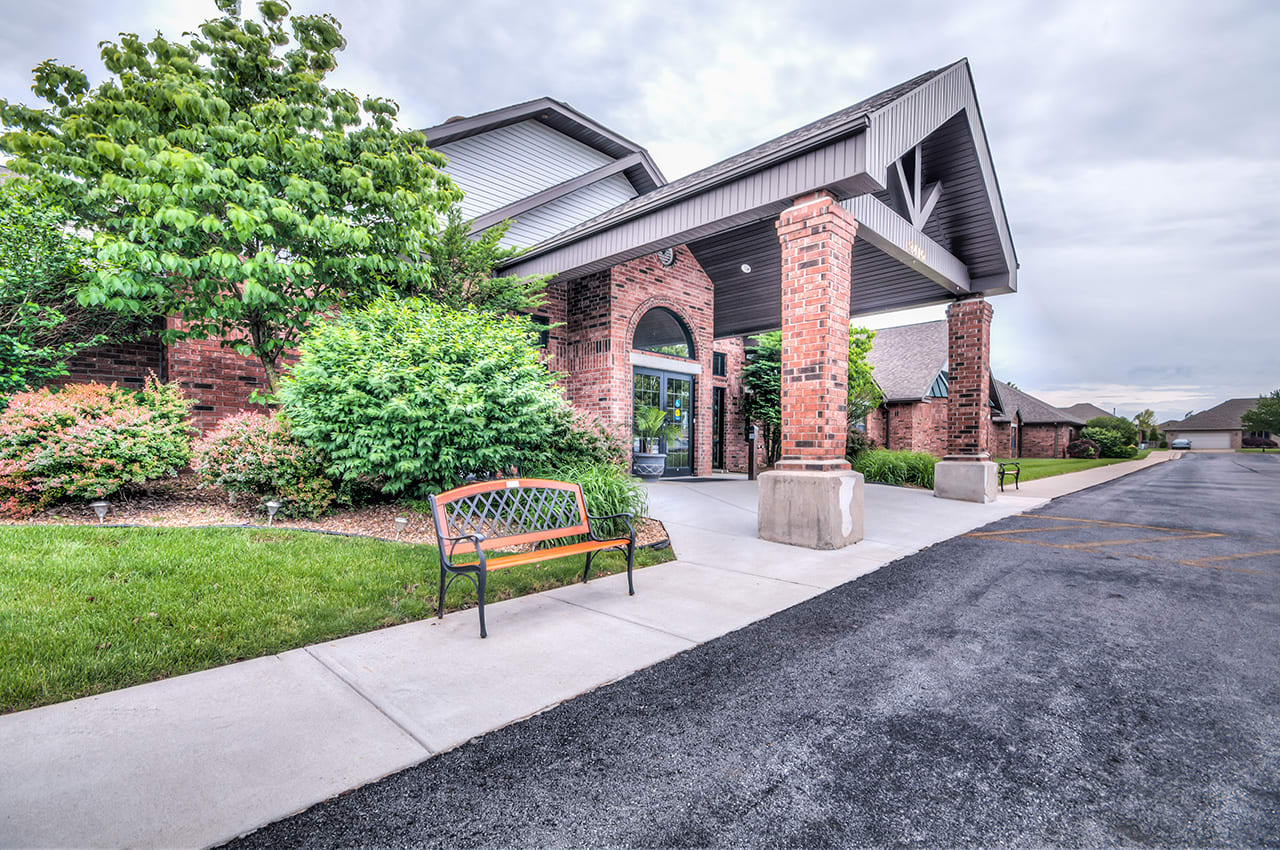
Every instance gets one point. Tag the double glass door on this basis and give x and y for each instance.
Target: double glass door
(672, 392)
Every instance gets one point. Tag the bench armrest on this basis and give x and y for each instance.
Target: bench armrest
(626, 518)
(474, 539)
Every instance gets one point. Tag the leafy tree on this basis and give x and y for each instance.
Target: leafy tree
(42, 265)
(462, 271)
(1265, 416)
(762, 375)
(1146, 421)
(1125, 429)
(226, 183)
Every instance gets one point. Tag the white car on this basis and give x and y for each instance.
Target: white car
(1180, 443)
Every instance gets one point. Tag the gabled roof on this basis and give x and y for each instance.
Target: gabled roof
(559, 116)
(1087, 411)
(1224, 417)
(907, 359)
(1032, 410)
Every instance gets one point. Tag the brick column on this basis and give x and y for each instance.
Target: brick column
(817, 244)
(812, 498)
(969, 390)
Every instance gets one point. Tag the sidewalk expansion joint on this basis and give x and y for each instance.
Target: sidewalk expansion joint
(752, 575)
(364, 696)
(691, 641)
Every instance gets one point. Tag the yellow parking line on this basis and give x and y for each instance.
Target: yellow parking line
(1218, 559)
(1105, 522)
(1096, 543)
(1022, 531)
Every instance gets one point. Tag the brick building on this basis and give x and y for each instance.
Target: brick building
(888, 204)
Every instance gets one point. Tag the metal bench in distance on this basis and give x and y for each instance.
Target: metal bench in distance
(512, 512)
(1014, 469)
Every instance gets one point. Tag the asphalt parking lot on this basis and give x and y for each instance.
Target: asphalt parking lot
(1102, 672)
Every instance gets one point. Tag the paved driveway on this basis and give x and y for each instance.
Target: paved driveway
(1102, 671)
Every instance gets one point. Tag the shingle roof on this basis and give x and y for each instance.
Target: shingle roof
(1087, 411)
(748, 159)
(1224, 417)
(1032, 410)
(907, 359)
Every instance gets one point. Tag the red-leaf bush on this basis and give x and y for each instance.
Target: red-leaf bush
(1258, 443)
(89, 441)
(1083, 448)
(255, 454)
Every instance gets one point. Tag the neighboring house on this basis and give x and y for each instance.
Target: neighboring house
(1086, 411)
(1025, 426)
(909, 364)
(888, 204)
(1216, 428)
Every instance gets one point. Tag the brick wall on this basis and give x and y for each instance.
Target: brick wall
(218, 379)
(1001, 439)
(127, 364)
(969, 367)
(878, 426)
(816, 236)
(1045, 440)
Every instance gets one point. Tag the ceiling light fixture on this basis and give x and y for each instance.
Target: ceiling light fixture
(746, 269)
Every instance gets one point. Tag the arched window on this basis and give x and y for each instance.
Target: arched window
(661, 331)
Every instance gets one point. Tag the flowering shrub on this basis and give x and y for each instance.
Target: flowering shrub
(256, 454)
(88, 441)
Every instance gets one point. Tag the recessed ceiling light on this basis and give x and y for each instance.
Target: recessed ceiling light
(746, 269)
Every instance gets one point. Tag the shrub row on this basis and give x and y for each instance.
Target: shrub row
(1110, 443)
(896, 467)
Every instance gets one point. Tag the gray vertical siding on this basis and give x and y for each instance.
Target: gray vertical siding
(503, 165)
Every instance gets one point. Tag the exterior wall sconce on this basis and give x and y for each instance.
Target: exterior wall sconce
(272, 507)
(100, 508)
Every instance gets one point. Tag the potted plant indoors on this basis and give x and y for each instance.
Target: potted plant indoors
(651, 427)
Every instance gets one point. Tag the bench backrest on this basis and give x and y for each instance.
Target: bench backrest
(511, 511)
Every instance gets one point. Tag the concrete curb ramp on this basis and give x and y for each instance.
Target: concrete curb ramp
(196, 760)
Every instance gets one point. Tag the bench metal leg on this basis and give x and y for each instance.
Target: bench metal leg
(587, 568)
(480, 578)
(440, 606)
(631, 562)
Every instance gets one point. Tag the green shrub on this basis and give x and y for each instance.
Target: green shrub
(607, 488)
(255, 454)
(577, 441)
(1164, 444)
(1110, 443)
(1083, 448)
(1127, 430)
(856, 443)
(883, 466)
(414, 397)
(89, 441)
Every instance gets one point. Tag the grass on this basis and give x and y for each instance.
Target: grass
(87, 610)
(1045, 467)
(1261, 451)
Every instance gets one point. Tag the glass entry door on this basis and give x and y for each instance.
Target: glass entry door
(672, 392)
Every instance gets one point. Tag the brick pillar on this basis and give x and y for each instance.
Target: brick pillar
(969, 389)
(812, 498)
(817, 250)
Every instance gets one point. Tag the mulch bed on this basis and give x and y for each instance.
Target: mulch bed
(180, 503)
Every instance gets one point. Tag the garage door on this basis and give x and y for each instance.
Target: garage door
(1209, 439)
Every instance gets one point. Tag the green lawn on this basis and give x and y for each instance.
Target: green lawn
(1261, 451)
(1038, 467)
(87, 610)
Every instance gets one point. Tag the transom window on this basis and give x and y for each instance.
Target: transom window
(662, 332)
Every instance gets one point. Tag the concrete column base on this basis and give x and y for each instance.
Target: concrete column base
(820, 510)
(965, 480)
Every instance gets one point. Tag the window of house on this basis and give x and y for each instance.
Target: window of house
(662, 332)
(719, 364)
(544, 335)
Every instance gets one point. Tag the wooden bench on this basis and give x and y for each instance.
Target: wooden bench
(514, 512)
(1009, 468)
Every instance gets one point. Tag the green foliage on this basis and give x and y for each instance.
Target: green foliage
(1265, 416)
(462, 271)
(228, 185)
(762, 375)
(414, 397)
(1164, 444)
(1145, 422)
(1110, 443)
(42, 264)
(580, 441)
(651, 425)
(883, 466)
(1127, 430)
(857, 443)
(89, 441)
(254, 454)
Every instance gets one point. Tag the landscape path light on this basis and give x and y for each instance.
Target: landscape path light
(100, 508)
(401, 523)
(272, 507)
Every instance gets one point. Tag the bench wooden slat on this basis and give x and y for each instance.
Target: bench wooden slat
(551, 554)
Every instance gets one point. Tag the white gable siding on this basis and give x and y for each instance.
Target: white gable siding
(506, 164)
(555, 216)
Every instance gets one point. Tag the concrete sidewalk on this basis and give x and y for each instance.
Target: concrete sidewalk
(1061, 485)
(198, 759)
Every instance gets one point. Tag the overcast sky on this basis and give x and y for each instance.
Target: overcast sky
(1137, 144)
